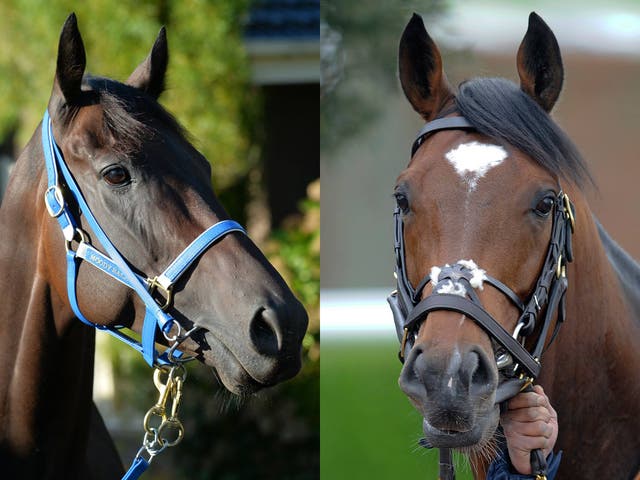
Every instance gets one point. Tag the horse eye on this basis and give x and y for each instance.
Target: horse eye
(116, 175)
(544, 206)
(402, 202)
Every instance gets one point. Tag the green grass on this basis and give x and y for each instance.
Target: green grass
(368, 429)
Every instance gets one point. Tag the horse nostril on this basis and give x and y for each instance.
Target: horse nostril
(265, 333)
(482, 376)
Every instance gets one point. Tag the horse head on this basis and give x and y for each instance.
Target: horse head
(150, 191)
(478, 209)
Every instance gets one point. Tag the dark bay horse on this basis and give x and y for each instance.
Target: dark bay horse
(490, 214)
(150, 191)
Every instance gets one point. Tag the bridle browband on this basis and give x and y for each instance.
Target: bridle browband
(518, 366)
(60, 181)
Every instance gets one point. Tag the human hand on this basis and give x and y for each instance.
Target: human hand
(530, 422)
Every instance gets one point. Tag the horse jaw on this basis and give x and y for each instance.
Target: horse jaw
(240, 369)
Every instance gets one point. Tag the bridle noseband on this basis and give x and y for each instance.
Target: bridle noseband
(453, 291)
(170, 362)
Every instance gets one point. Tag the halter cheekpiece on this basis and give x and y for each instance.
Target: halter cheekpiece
(454, 289)
(156, 293)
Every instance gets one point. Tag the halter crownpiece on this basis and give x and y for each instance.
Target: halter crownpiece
(454, 290)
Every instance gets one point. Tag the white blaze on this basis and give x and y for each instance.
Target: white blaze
(473, 160)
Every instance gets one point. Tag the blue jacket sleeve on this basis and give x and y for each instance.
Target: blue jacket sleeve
(501, 469)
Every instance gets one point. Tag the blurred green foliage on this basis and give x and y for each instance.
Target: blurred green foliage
(367, 48)
(294, 250)
(208, 87)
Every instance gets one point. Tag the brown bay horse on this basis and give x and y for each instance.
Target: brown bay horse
(150, 192)
(490, 214)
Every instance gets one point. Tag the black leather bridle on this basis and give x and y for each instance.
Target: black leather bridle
(518, 366)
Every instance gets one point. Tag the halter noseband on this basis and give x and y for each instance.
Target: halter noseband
(454, 290)
(114, 264)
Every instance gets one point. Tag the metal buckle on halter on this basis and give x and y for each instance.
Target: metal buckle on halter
(167, 292)
(79, 236)
(569, 211)
(559, 267)
(57, 194)
(403, 344)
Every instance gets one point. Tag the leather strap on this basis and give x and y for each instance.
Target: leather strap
(444, 301)
(446, 123)
(447, 470)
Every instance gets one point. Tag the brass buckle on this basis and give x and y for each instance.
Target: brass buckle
(559, 267)
(567, 208)
(403, 344)
(167, 293)
(527, 381)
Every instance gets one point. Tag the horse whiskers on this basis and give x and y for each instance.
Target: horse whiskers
(484, 452)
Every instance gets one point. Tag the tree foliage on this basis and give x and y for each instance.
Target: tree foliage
(362, 46)
(208, 89)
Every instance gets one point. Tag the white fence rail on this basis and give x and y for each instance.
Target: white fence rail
(355, 312)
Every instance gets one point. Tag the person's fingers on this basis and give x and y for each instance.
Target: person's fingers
(526, 400)
(524, 445)
(531, 414)
(545, 402)
(529, 423)
(520, 451)
(528, 429)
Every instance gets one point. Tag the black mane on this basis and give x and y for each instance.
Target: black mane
(499, 109)
(129, 113)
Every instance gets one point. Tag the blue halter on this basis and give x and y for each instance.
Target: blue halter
(114, 265)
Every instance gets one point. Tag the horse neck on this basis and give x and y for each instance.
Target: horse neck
(590, 373)
(600, 325)
(47, 358)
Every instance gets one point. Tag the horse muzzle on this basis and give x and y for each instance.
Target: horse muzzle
(454, 389)
(261, 353)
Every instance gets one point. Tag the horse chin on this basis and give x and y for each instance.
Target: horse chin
(233, 375)
(469, 439)
(241, 375)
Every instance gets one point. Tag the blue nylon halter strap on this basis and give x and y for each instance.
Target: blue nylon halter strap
(113, 263)
(138, 467)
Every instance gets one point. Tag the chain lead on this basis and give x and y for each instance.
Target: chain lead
(167, 430)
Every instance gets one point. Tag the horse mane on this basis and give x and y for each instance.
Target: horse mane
(128, 113)
(498, 108)
(626, 268)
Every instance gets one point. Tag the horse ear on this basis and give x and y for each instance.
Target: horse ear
(540, 64)
(71, 60)
(150, 74)
(420, 67)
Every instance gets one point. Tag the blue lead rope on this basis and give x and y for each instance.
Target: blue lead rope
(137, 468)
